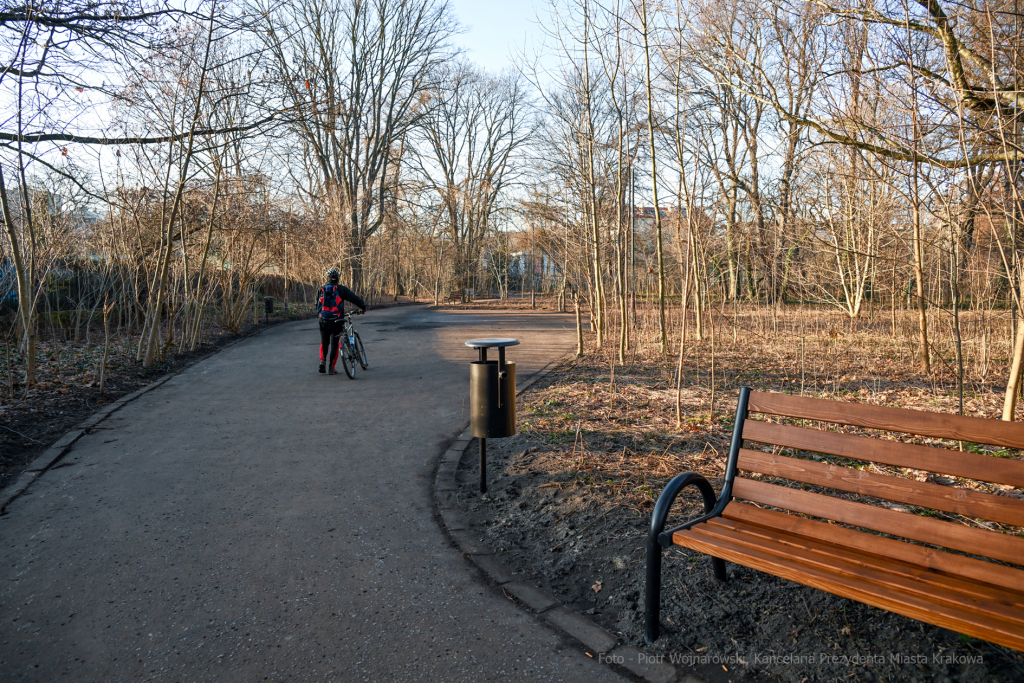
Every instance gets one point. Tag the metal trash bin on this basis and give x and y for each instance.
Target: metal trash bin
(492, 397)
(268, 306)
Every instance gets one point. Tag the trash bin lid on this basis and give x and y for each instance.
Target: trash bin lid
(491, 343)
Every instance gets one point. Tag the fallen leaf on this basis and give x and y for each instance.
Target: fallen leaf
(596, 587)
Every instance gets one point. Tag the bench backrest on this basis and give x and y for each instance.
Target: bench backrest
(915, 485)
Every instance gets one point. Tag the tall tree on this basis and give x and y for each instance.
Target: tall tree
(475, 125)
(645, 27)
(353, 74)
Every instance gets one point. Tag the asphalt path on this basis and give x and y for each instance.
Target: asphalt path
(254, 520)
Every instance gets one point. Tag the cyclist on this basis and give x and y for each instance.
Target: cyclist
(330, 306)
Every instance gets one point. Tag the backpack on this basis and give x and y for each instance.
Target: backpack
(331, 303)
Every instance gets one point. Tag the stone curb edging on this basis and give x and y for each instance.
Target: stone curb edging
(595, 639)
(52, 455)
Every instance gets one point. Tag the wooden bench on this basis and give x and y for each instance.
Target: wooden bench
(454, 296)
(859, 516)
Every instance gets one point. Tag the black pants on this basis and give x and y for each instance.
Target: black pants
(330, 335)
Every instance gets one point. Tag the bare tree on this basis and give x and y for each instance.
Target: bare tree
(353, 75)
(475, 125)
(645, 27)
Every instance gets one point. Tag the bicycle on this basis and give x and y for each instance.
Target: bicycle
(351, 347)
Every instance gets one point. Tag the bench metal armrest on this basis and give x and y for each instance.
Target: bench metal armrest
(662, 538)
(658, 539)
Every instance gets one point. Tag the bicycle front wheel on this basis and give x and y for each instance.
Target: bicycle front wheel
(360, 351)
(348, 360)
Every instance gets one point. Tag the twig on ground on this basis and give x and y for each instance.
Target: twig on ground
(24, 436)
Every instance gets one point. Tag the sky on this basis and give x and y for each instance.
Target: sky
(496, 29)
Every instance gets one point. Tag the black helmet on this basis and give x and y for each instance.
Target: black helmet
(332, 275)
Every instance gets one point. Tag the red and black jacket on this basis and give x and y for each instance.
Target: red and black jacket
(331, 298)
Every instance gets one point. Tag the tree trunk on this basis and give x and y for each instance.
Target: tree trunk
(662, 334)
(922, 315)
(26, 310)
(153, 338)
(579, 326)
(106, 342)
(597, 299)
(1013, 384)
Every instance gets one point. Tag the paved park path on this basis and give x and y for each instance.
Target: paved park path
(254, 520)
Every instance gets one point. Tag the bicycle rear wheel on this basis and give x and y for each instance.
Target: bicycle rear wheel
(360, 351)
(347, 358)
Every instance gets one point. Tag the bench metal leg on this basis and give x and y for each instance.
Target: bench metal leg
(652, 596)
(652, 593)
(658, 539)
(718, 565)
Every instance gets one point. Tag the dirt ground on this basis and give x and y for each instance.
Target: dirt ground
(570, 499)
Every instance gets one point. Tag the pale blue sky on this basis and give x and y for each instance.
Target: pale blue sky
(495, 30)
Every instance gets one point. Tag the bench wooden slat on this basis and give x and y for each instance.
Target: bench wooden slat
(924, 494)
(997, 546)
(864, 549)
(961, 620)
(938, 460)
(939, 425)
(938, 560)
(1005, 604)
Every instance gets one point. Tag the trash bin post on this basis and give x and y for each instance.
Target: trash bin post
(483, 464)
(492, 393)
